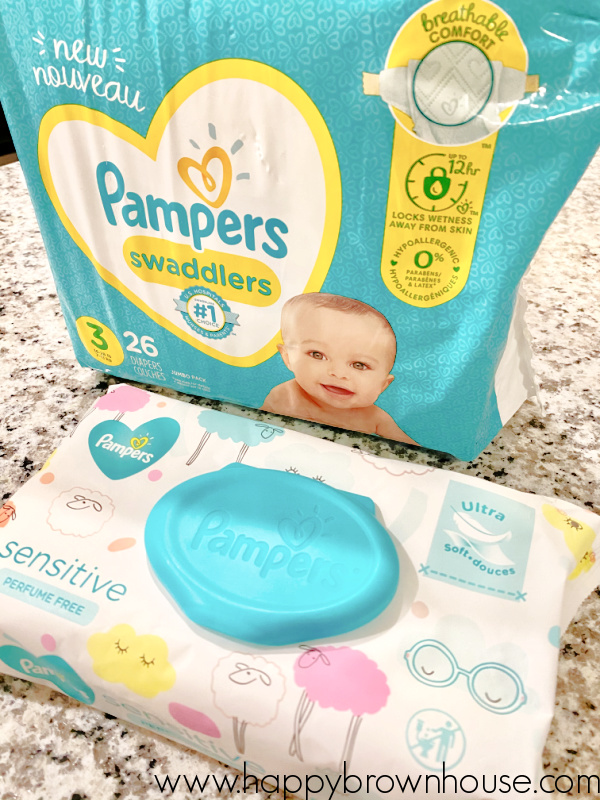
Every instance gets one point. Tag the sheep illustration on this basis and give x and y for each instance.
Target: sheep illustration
(123, 398)
(238, 429)
(8, 512)
(120, 398)
(313, 462)
(79, 512)
(248, 690)
(396, 468)
(341, 678)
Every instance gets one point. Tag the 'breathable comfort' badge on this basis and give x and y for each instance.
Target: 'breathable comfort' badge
(453, 76)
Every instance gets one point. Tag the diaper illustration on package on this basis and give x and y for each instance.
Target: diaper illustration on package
(453, 75)
(195, 171)
(443, 89)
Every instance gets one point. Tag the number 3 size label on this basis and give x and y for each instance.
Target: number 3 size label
(100, 342)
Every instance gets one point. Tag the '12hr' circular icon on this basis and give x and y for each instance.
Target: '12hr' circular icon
(437, 182)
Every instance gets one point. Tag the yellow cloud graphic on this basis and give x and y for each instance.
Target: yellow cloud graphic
(578, 536)
(141, 663)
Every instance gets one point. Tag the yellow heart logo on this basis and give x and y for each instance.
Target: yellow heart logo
(137, 444)
(184, 165)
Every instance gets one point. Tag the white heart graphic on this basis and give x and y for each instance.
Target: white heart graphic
(284, 192)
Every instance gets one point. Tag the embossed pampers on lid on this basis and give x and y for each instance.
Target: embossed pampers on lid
(271, 557)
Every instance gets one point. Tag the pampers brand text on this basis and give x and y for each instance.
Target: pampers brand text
(197, 221)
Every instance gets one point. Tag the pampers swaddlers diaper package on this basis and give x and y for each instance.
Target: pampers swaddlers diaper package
(322, 209)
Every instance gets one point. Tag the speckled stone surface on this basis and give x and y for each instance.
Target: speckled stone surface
(52, 748)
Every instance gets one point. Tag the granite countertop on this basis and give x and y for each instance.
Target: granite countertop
(53, 748)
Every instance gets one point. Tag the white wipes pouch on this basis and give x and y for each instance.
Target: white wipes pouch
(293, 607)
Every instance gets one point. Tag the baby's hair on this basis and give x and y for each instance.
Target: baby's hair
(335, 301)
(338, 303)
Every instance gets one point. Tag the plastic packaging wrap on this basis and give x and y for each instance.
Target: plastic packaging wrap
(195, 166)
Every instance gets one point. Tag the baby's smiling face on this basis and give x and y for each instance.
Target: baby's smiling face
(341, 359)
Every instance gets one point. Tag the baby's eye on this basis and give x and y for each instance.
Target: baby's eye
(359, 365)
(316, 354)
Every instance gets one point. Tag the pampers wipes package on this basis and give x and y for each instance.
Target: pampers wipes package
(322, 209)
(270, 598)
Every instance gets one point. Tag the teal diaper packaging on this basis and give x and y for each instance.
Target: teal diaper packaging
(267, 597)
(322, 209)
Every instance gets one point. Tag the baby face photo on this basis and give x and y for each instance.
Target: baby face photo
(340, 359)
(341, 352)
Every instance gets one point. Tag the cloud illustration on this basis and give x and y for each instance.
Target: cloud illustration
(141, 662)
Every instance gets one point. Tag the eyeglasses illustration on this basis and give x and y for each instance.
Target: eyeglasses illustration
(495, 687)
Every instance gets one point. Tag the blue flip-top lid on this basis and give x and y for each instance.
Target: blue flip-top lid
(271, 557)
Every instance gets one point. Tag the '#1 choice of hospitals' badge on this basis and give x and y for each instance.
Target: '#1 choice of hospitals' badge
(453, 76)
(206, 313)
